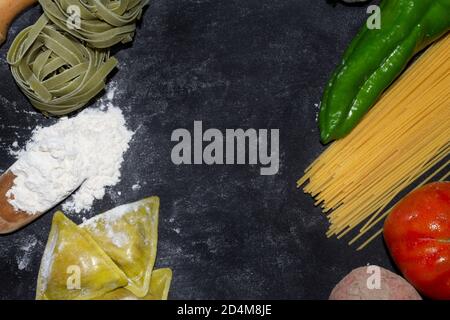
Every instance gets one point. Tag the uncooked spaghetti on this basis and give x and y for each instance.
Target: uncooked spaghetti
(404, 136)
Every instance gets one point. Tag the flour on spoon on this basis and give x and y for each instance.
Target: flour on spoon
(85, 151)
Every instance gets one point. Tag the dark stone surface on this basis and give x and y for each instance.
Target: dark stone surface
(226, 231)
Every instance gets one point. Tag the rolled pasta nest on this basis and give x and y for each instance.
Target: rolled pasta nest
(56, 71)
(103, 23)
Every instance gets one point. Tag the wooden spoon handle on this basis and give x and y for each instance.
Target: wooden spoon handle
(10, 219)
(9, 9)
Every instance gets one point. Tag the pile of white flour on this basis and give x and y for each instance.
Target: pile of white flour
(85, 151)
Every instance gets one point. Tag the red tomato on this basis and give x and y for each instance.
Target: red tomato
(417, 233)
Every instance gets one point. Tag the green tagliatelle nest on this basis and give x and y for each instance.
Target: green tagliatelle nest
(102, 23)
(56, 71)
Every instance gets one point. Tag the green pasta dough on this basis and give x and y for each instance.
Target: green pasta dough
(56, 71)
(62, 61)
(102, 23)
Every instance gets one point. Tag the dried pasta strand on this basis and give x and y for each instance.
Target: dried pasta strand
(406, 134)
(376, 234)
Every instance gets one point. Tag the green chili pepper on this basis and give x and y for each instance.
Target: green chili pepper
(375, 58)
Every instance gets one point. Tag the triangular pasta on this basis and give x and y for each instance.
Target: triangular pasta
(159, 288)
(129, 235)
(159, 284)
(74, 266)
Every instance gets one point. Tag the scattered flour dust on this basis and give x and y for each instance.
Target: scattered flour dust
(135, 186)
(84, 152)
(26, 250)
(14, 150)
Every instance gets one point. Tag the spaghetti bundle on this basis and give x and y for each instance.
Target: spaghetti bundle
(406, 134)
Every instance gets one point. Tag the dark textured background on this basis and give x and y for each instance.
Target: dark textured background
(226, 231)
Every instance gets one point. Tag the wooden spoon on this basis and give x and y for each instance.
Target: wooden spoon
(11, 219)
(9, 10)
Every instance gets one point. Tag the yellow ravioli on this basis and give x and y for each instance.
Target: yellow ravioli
(74, 266)
(129, 234)
(159, 288)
